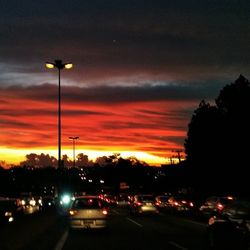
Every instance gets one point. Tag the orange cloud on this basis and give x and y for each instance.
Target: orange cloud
(133, 122)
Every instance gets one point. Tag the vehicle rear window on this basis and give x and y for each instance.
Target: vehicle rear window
(163, 198)
(88, 203)
(146, 198)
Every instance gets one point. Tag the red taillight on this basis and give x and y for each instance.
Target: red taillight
(105, 212)
(138, 203)
(220, 206)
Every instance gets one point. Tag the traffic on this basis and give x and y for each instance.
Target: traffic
(139, 221)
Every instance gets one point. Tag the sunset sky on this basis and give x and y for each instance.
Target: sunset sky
(140, 70)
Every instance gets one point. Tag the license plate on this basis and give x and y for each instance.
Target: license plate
(87, 222)
(149, 204)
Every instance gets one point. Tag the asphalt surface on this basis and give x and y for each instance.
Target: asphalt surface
(49, 231)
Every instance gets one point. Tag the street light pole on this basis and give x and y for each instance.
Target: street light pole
(59, 65)
(74, 145)
(178, 151)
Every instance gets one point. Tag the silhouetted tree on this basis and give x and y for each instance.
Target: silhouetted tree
(38, 161)
(217, 139)
(83, 160)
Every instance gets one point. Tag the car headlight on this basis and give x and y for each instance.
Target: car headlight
(8, 214)
(66, 199)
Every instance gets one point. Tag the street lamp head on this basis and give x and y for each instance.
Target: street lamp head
(74, 138)
(68, 65)
(49, 65)
(58, 64)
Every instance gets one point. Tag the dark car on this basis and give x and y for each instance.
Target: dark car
(10, 209)
(162, 202)
(230, 229)
(144, 204)
(181, 204)
(214, 204)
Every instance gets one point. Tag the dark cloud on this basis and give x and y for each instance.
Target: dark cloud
(180, 39)
(14, 124)
(112, 94)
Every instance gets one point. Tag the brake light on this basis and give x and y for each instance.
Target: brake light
(191, 204)
(105, 212)
(220, 206)
(138, 203)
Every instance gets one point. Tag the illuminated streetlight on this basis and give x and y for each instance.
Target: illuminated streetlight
(59, 65)
(74, 145)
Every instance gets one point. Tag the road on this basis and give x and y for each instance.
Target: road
(49, 231)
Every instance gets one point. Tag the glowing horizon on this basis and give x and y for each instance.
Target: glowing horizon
(147, 122)
(19, 155)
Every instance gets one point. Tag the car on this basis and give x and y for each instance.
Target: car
(88, 212)
(109, 199)
(181, 204)
(30, 204)
(230, 229)
(122, 200)
(144, 204)
(214, 204)
(162, 202)
(10, 209)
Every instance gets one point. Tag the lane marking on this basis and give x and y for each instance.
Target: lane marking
(199, 223)
(62, 240)
(136, 223)
(203, 224)
(116, 212)
(177, 245)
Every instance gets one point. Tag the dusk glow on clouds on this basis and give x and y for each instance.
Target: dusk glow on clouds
(140, 70)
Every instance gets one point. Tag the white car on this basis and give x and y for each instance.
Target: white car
(87, 212)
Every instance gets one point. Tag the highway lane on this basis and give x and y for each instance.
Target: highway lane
(165, 232)
(49, 231)
(39, 231)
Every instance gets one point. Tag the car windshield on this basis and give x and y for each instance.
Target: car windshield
(87, 203)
